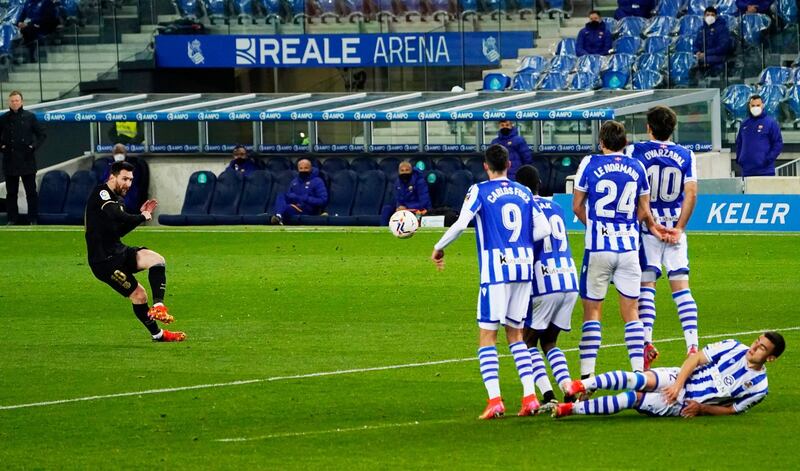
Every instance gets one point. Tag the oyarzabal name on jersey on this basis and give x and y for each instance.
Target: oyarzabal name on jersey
(656, 153)
(507, 190)
(616, 167)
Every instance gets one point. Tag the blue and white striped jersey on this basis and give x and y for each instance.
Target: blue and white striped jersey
(613, 184)
(553, 268)
(504, 212)
(726, 379)
(669, 166)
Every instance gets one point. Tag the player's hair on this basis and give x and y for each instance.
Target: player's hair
(662, 121)
(17, 93)
(612, 136)
(239, 146)
(710, 10)
(117, 167)
(754, 97)
(496, 158)
(528, 175)
(779, 345)
(504, 121)
(595, 12)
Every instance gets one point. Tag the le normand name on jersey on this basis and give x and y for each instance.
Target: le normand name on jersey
(616, 167)
(507, 190)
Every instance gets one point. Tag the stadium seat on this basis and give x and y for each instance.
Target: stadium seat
(437, 184)
(787, 11)
(735, 99)
(630, 26)
(726, 7)
(280, 184)
(225, 202)
(340, 198)
(584, 81)
(657, 45)
(457, 185)
(496, 82)
(561, 168)
(656, 62)
(367, 202)
(566, 47)
(775, 76)
(475, 167)
(660, 26)
(278, 164)
(189, 9)
(689, 25)
(422, 163)
(197, 200)
(646, 79)
(255, 196)
(698, 7)
(753, 26)
(216, 10)
(272, 9)
(627, 45)
(77, 194)
(591, 63)
(617, 70)
(244, 10)
(532, 64)
(542, 164)
(52, 194)
(611, 23)
(680, 68)
(563, 64)
(553, 81)
(684, 44)
(525, 81)
(449, 165)
(772, 95)
(362, 164)
(668, 8)
(99, 168)
(793, 102)
(389, 167)
(332, 165)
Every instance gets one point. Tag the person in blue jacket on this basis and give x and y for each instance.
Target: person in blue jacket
(713, 42)
(643, 8)
(519, 153)
(594, 38)
(410, 192)
(307, 194)
(754, 6)
(242, 163)
(39, 18)
(759, 142)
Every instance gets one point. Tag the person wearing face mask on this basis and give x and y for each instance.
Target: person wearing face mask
(307, 194)
(137, 194)
(759, 142)
(242, 163)
(410, 192)
(712, 43)
(642, 8)
(594, 38)
(519, 153)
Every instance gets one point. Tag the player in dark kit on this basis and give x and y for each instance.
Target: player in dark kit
(114, 263)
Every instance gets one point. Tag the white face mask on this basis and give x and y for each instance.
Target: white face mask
(119, 157)
(710, 20)
(756, 110)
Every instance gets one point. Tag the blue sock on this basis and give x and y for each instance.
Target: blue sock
(634, 340)
(606, 405)
(487, 356)
(616, 381)
(687, 313)
(647, 312)
(589, 346)
(558, 363)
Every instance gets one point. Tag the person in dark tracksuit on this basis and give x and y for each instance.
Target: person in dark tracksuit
(713, 42)
(410, 192)
(519, 153)
(594, 38)
(759, 142)
(307, 194)
(20, 135)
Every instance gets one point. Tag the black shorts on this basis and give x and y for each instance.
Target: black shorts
(118, 271)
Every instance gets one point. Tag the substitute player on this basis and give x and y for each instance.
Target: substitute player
(507, 222)
(555, 292)
(673, 194)
(114, 263)
(724, 378)
(615, 190)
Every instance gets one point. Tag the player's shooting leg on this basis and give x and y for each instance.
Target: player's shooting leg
(140, 309)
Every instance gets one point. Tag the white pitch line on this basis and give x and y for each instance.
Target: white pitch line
(327, 373)
(362, 428)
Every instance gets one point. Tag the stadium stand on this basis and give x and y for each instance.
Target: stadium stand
(80, 186)
(197, 201)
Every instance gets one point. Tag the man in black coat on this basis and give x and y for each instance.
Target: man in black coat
(20, 136)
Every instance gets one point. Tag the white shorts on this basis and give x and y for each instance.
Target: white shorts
(503, 304)
(551, 308)
(653, 403)
(601, 268)
(653, 253)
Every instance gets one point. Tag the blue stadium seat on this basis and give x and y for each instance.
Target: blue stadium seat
(684, 44)
(646, 79)
(775, 76)
(726, 7)
(74, 200)
(657, 45)
(591, 63)
(244, 10)
(362, 164)
(734, 23)
(475, 167)
(216, 10)
(52, 193)
(698, 7)
(189, 9)
(616, 73)
(660, 26)
(561, 168)
(496, 82)
(611, 23)
(532, 64)
(340, 198)
(772, 95)
(566, 47)
(525, 81)
(753, 26)
(225, 202)
(197, 200)
(656, 62)
(255, 197)
(553, 81)
(735, 99)
(389, 167)
(280, 184)
(423, 163)
(584, 81)
(689, 25)
(680, 67)
(793, 102)
(563, 64)
(437, 184)
(627, 45)
(332, 165)
(668, 8)
(367, 202)
(272, 9)
(448, 165)
(787, 11)
(630, 26)
(278, 164)
(457, 185)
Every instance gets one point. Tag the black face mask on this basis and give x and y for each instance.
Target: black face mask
(304, 175)
(505, 131)
(405, 177)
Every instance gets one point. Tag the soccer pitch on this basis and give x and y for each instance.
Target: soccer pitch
(347, 349)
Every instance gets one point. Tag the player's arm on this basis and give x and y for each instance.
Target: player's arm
(126, 221)
(579, 205)
(541, 226)
(468, 210)
(694, 408)
(687, 208)
(689, 365)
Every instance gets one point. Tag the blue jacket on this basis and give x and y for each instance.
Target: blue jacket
(414, 194)
(643, 8)
(518, 151)
(714, 42)
(245, 166)
(758, 144)
(42, 13)
(763, 5)
(593, 39)
(309, 193)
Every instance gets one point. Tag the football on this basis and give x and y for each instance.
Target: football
(403, 224)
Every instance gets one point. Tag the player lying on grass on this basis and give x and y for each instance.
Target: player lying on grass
(724, 378)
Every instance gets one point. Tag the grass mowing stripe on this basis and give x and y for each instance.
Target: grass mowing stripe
(327, 373)
(336, 430)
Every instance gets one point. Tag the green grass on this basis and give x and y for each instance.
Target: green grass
(265, 304)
